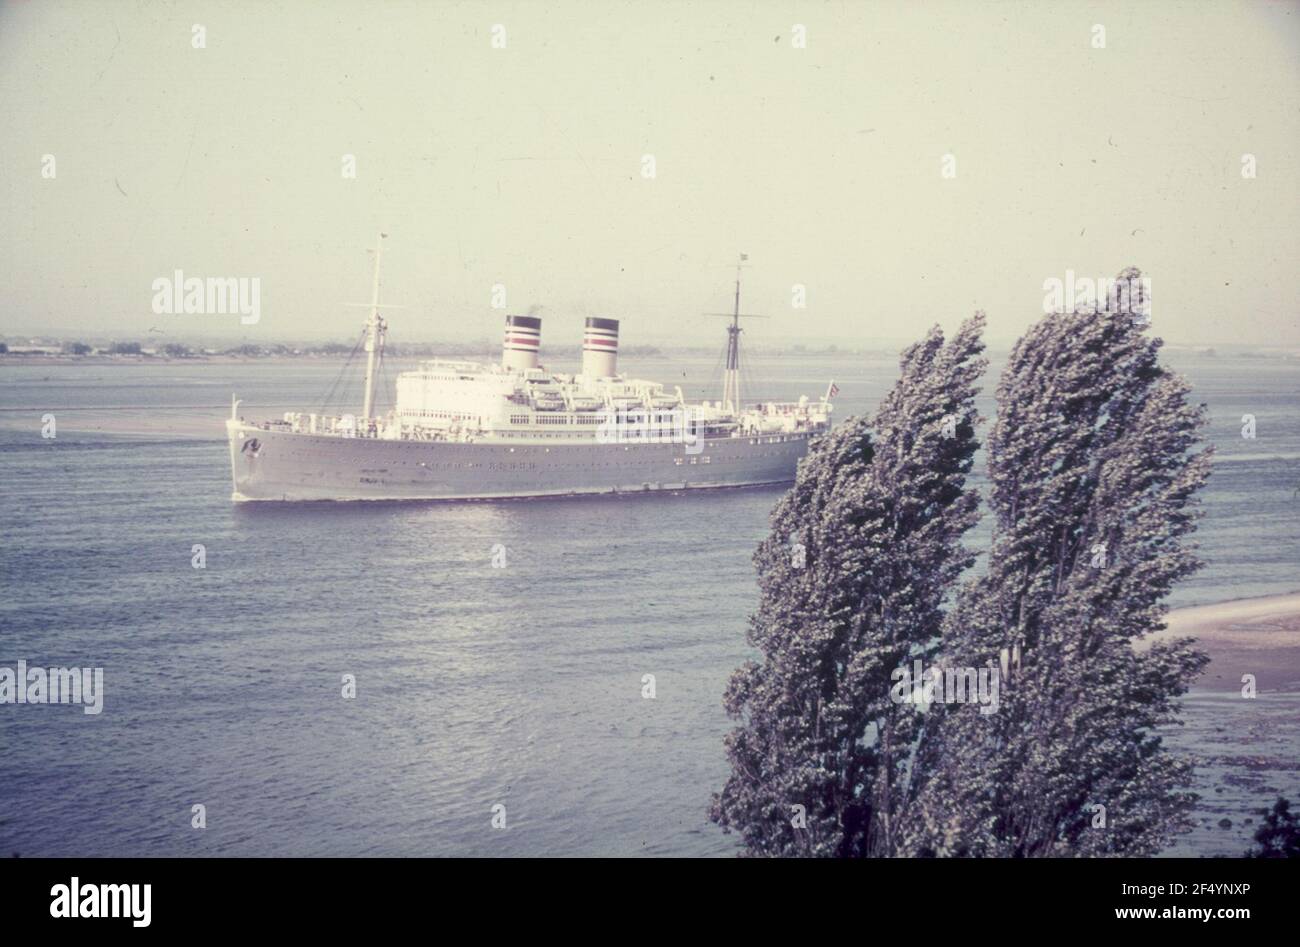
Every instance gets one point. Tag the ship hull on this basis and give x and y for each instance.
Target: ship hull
(278, 465)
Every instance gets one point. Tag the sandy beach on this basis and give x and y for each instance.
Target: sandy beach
(1259, 636)
(1245, 750)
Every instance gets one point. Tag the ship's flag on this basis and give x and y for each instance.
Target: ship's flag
(832, 391)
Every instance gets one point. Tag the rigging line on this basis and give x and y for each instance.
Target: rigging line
(715, 377)
(378, 395)
(751, 382)
(384, 385)
(330, 397)
(746, 377)
(383, 381)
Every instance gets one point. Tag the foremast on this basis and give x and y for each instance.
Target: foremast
(375, 330)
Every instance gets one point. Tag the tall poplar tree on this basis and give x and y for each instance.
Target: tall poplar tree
(1094, 462)
(852, 582)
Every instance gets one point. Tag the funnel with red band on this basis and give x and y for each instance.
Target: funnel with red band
(600, 348)
(523, 340)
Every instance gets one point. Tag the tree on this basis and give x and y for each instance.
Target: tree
(77, 348)
(852, 580)
(1278, 836)
(1093, 466)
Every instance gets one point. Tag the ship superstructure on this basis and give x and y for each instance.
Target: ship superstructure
(468, 430)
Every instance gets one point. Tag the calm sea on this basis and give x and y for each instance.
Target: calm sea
(476, 686)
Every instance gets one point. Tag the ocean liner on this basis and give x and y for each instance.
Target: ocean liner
(463, 430)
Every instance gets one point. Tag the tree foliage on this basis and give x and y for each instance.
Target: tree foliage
(1094, 463)
(852, 581)
(1093, 469)
(1278, 836)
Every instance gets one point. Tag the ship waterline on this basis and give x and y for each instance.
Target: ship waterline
(269, 464)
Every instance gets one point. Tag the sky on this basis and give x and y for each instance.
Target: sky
(905, 164)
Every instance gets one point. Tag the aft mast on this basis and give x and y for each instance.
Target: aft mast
(731, 377)
(731, 374)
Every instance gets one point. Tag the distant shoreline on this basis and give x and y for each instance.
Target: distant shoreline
(18, 358)
(21, 358)
(421, 351)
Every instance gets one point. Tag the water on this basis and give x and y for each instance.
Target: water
(476, 686)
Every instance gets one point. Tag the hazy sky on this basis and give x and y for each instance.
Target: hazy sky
(523, 165)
